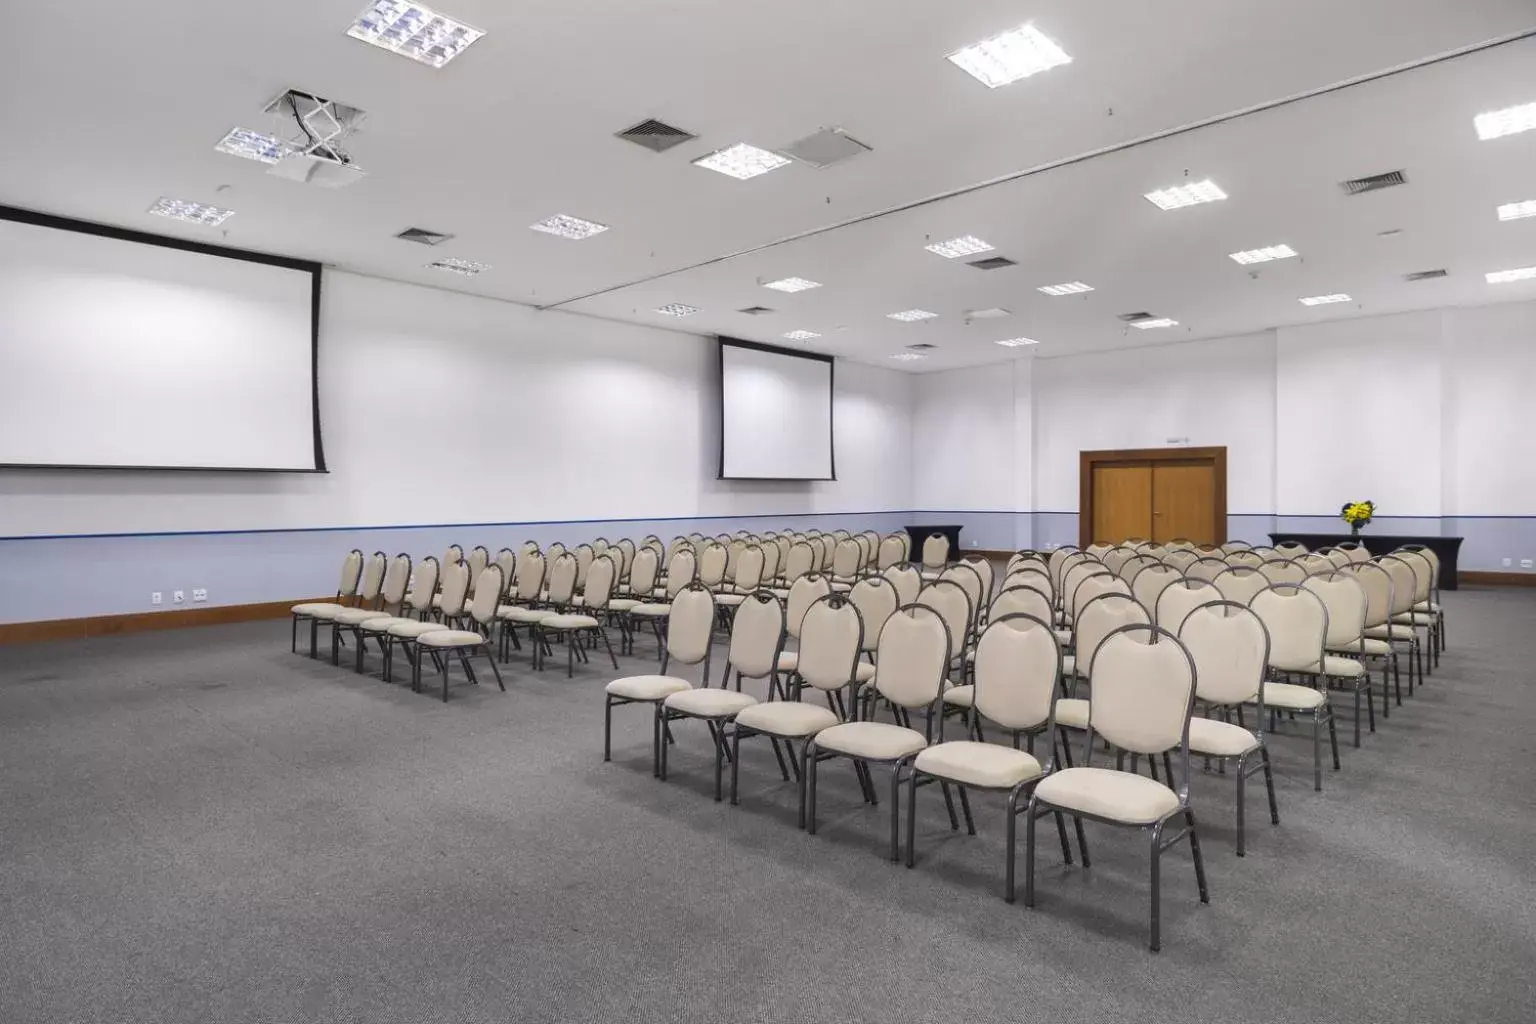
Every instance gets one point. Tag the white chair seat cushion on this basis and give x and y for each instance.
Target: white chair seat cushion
(1106, 793)
(354, 616)
(623, 604)
(1219, 739)
(651, 611)
(317, 608)
(451, 638)
(512, 613)
(437, 600)
(841, 588)
(780, 593)
(709, 702)
(1063, 636)
(877, 741)
(1427, 606)
(1069, 664)
(381, 623)
(978, 764)
(1342, 668)
(568, 622)
(1415, 619)
(789, 661)
(863, 672)
(1072, 712)
(414, 629)
(1365, 646)
(1397, 632)
(786, 718)
(960, 696)
(647, 687)
(1291, 697)
(730, 600)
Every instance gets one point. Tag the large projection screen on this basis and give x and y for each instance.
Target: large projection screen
(120, 350)
(775, 413)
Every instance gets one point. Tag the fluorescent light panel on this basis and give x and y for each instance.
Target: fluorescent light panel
(1190, 194)
(567, 226)
(677, 309)
(1017, 342)
(192, 213)
(965, 245)
(1148, 325)
(1009, 56)
(1510, 121)
(1070, 288)
(801, 335)
(454, 265)
(1518, 211)
(1324, 300)
(792, 284)
(413, 30)
(1264, 255)
(252, 145)
(907, 357)
(909, 315)
(741, 161)
(1508, 276)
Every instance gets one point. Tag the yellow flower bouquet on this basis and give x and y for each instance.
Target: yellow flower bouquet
(1357, 514)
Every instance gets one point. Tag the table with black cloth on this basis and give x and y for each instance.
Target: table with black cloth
(919, 534)
(1447, 548)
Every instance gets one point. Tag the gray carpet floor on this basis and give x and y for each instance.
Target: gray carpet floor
(199, 826)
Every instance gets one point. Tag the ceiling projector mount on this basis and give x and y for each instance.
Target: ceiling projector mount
(314, 131)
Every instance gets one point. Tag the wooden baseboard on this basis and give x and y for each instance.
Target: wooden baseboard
(140, 622)
(1497, 579)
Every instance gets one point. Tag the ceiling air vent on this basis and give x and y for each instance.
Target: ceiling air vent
(1425, 275)
(755, 310)
(993, 263)
(655, 136)
(922, 346)
(1374, 183)
(423, 236)
(1131, 318)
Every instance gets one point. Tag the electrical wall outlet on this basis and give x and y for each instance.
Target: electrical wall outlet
(1525, 563)
(159, 598)
(199, 594)
(179, 597)
(1508, 562)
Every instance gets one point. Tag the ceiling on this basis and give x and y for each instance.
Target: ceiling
(122, 106)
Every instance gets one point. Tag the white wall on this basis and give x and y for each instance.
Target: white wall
(1490, 370)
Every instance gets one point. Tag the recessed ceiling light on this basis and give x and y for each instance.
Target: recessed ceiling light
(792, 284)
(1017, 342)
(907, 357)
(468, 268)
(1323, 300)
(1160, 321)
(990, 313)
(801, 335)
(1509, 121)
(677, 309)
(1191, 194)
(1009, 56)
(1518, 211)
(253, 146)
(567, 226)
(192, 213)
(1506, 276)
(909, 315)
(741, 161)
(1070, 288)
(413, 31)
(1264, 255)
(965, 245)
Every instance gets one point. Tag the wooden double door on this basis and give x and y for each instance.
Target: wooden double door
(1161, 494)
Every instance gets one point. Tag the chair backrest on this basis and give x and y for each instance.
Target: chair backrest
(455, 588)
(528, 545)
(757, 635)
(1179, 544)
(1150, 583)
(713, 560)
(1134, 567)
(846, 558)
(1313, 563)
(1092, 587)
(770, 570)
(1142, 692)
(479, 558)
(351, 574)
(1017, 670)
(626, 549)
(984, 570)
(396, 579)
(690, 624)
(562, 579)
(1230, 647)
(1247, 559)
(970, 581)
(599, 545)
(554, 551)
(1206, 568)
(1290, 549)
(831, 636)
(1027, 557)
(642, 572)
(892, 550)
(1344, 597)
(1101, 617)
(1338, 557)
(799, 561)
(1377, 583)
(678, 544)
(1423, 572)
(907, 579)
(1020, 600)
(453, 555)
(1235, 545)
(506, 558)
(1074, 576)
(749, 569)
(530, 575)
(1060, 561)
(1032, 577)
(423, 585)
(1181, 558)
(914, 656)
(597, 589)
(1356, 552)
(1239, 583)
(584, 553)
(1297, 621)
(1098, 550)
(1115, 558)
(1282, 570)
(782, 544)
(487, 595)
(803, 593)
(1434, 563)
(1176, 602)
(733, 550)
(373, 577)
(682, 570)
(875, 598)
(1404, 585)
(935, 550)
(953, 604)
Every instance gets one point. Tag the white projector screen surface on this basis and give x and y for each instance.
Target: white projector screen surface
(776, 414)
(119, 353)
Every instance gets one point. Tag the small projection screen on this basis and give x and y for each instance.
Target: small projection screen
(775, 413)
(121, 350)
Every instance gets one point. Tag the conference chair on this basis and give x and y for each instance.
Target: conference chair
(1297, 623)
(1180, 598)
(1248, 558)
(1401, 601)
(351, 579)
(913, 654)
(1150, 583)
(875, 598)
(1380, 638)
(558, 599)
(1233, 546)
(1181, 558)
(366, 601)
(1114, 558)
(461, 642)
(907, 579)
(1312, 563)
(892, 551)
(975, 589)
(1240, 583)
(1205, 568)
(414, 610)
(935, 552)
(573, 626)
(1143, 693)
(714, 564)
(690, 627)
(1282, 570)
(522, 609)
(803, 593)
(1431, 604)
(391, 602)
(1345, 602)
(1102, 615)
(798, 562)
(747, 580)
(642, 580)
(953, 605)
(1290, 549)
(1230, 648)
(1421, 575)
(681, 573)
(452, 581)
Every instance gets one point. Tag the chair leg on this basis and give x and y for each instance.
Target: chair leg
(719, 735)
(1357, 717)
(1194, 849)
(293, 643)
(965, 807)
(736, 759)
(809, 761)
(607, 727)
(494, 670)
(1333, 735)
(1156, 886)
(1242, 792)
(803, 778)
(1082, 840)
(1269, 784)
(896, 811)
(1317, 750)
(912, 818)
(445, 680)
(1029, 857)
(611, 657)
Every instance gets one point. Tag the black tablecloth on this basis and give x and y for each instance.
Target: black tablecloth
(1382, 544)
(920, 533)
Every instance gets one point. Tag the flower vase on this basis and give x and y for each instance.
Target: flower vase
(1354, 529)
